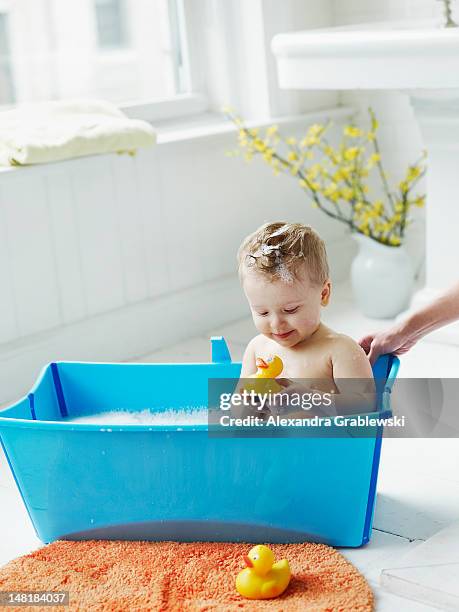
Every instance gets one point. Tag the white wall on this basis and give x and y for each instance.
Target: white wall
(400, 136)
(360, 11)
(240, 69)
(110, 257)
(107, 258)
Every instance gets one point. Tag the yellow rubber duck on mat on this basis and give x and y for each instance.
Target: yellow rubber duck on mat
(263, 578)
(264, 377)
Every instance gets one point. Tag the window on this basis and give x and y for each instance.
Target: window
(6, 78)
(111, 23)
(119, 50)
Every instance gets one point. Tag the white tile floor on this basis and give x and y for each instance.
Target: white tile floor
(418, 488)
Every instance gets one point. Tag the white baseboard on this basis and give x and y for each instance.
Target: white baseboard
(123, 334)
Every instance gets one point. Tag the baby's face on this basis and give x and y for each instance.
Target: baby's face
(287, 312)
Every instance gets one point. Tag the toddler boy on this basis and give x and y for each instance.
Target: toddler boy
(284, 273)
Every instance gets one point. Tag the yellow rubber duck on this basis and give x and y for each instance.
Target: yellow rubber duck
(263, 578)
(266, 372)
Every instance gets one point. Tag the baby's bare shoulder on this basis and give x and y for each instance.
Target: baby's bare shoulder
(348, 357)
(332, 338)
(257, 342)
(339, 344)
(255, 347)
(343, 342)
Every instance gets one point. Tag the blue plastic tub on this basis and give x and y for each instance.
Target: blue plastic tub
(86, 481)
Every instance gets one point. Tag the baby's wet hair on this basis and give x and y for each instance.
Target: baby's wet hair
(278, 250)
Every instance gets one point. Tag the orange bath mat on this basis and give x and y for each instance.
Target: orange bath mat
(182, 577)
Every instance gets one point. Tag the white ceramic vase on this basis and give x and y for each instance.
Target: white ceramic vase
(382, 278)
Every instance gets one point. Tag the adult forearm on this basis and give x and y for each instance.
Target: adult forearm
(443, 310)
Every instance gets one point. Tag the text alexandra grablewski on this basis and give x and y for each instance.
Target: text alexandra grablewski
(252, 399)
(359, 421)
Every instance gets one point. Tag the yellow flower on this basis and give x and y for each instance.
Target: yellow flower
(332, 155)
(309, 141)
(259, 145)
(268, 155)
(313, 172)
(346, 171)
(374, 122)
(316, 129)
(272, 130)
(420, 201)
(340, 175)
(372, 160)
(404, 187)
(352, 131)
(330, 190)
(351, 153)
(413, 173)
(347, 194)
(372, 214)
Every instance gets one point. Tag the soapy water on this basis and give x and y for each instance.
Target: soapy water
(191, 416)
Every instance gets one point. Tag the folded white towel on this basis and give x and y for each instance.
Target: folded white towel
(52, 131)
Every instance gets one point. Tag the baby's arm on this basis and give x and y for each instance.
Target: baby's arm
(353, 377)
(349, 359)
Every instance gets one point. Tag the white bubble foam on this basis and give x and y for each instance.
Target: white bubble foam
(185, 416)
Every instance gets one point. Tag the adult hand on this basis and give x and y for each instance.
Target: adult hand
(403, 336)
(395, 341)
